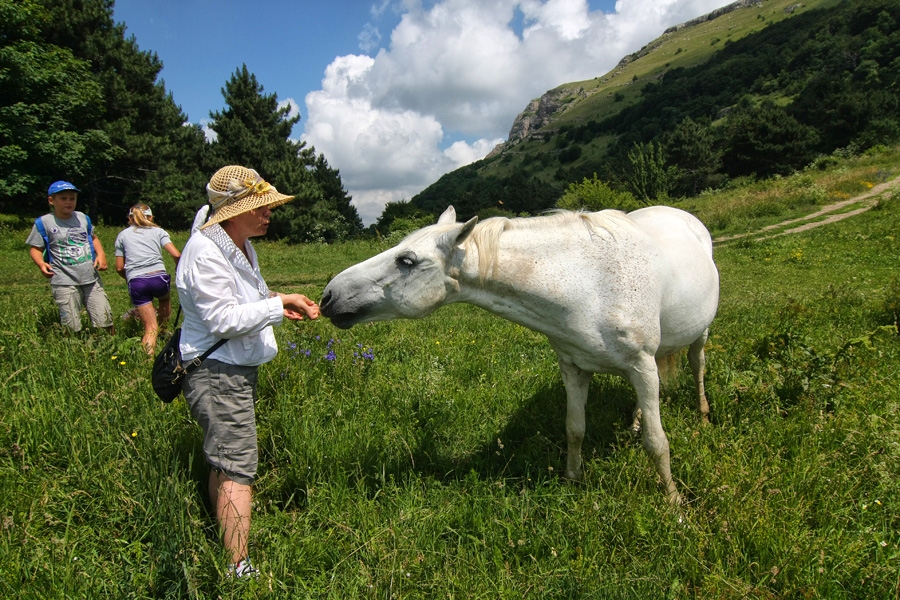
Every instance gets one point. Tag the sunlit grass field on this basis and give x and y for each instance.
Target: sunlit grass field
(421, 459)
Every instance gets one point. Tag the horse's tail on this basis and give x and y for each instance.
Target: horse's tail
(668, 369)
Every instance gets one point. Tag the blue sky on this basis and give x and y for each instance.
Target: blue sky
(394, 93)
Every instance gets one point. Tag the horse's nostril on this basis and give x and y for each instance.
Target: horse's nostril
(326, 299)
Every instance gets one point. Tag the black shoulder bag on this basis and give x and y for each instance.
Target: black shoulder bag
(169, 371)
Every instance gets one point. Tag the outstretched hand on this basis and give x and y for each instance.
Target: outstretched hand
(298, 306)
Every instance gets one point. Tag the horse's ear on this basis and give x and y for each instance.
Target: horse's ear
(466, 230)
(457, 235)
(448, 216)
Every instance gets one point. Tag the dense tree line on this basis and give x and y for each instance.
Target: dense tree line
(80, 101)
(767, 104)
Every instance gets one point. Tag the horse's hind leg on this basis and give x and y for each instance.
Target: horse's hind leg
(697, 359)
(645, 380)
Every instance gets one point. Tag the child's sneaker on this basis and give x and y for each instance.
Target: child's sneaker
(242, 569)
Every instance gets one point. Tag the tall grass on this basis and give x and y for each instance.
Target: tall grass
(421, 459)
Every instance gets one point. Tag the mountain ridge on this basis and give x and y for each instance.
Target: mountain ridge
(540, 111)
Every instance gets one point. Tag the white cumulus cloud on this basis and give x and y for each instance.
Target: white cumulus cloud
(208, 133)
(452, 78)
(293, 107)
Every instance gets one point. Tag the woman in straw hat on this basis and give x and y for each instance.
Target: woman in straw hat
(223, 295)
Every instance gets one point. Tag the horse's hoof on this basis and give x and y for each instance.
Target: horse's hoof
(571, 477)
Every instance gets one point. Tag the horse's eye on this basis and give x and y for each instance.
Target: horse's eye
(406, 260)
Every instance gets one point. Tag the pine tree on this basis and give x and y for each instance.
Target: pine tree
(766, 140)
(695, 151)
(253, 131)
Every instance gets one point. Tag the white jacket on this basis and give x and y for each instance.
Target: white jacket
(223, 295)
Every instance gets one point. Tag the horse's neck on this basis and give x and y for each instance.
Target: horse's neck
(501, 292)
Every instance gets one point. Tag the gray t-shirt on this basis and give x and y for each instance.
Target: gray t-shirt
(70, 250)
(142, 249)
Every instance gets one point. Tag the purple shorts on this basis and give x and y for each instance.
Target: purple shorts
(144, 288)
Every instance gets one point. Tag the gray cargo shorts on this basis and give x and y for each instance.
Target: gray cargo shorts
(70, 299)
(221, 398)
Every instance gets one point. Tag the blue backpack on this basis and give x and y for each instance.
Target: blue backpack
(42, 230)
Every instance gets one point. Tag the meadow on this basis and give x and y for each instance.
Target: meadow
(421, 459)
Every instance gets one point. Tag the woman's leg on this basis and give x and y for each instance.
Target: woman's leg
(233, 504)
(147, 313)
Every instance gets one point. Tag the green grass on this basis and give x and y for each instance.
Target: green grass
(431, 470)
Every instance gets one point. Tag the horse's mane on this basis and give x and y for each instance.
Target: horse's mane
(486, 235)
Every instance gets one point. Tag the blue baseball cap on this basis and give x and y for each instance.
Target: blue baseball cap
(60, 186)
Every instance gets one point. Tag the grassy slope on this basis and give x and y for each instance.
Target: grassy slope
(430, 471)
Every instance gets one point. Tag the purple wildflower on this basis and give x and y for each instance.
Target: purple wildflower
(330, 356)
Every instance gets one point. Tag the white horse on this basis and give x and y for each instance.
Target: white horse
(613, 292)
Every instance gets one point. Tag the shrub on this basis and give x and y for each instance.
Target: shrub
(593, 194)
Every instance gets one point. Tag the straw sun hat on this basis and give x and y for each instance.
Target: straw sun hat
(234, 190)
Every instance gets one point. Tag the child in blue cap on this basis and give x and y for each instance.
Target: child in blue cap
(68, 252)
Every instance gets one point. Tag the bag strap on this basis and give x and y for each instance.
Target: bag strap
(195, 362)
(86, 221)
(42, 230)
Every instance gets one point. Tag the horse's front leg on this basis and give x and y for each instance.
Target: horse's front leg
(577, 383)
(645, 379)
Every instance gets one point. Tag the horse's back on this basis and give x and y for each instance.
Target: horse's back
(688, 275)
(673, 227)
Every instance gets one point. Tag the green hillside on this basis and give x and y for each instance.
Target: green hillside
(690, 46)
(761, 90)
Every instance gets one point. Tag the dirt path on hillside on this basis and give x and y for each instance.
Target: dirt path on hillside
(812, 220)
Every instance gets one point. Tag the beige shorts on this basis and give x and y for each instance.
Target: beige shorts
(70, 299)
(222, 397)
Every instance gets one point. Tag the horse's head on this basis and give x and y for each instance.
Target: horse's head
(408, 281)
